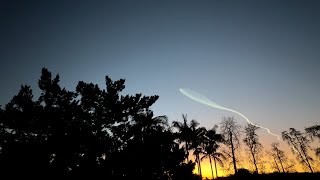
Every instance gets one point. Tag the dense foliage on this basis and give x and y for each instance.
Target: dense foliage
(89, 132)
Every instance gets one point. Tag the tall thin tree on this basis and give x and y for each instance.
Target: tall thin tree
(252, 143)
(280, 159)
(230, 130)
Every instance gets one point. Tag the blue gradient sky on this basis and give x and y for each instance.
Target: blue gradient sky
(261, 58)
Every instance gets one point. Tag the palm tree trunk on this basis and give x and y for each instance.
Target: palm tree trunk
(211, 167)
(187, 150)
(200, 169)
(215, 165)
(199, 165)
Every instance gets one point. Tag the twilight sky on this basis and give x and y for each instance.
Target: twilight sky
(261, 58)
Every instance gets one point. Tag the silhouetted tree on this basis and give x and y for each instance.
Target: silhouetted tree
(197, 139)
(184, 136)
(281, 161)
(56, 121)
(230, 131)
(211, 145)
(23, 147)
(193, 137)
(252, 143)
(87, 133)
(314, 132)
(299, 145)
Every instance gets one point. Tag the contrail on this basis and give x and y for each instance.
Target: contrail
(204, 100)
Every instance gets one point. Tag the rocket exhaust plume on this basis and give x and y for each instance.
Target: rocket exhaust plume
(204, 100)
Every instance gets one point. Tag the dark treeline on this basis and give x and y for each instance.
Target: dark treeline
(96, 132)
(92, 132)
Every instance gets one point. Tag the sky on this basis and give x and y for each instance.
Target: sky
(260, 58)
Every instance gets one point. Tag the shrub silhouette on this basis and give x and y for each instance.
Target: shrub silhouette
(243, 172)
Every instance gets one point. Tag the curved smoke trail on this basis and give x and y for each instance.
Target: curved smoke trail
(204, 100)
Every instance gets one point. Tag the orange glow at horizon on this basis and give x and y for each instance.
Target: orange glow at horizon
(245, 163)
(266, 140)
(206, 170)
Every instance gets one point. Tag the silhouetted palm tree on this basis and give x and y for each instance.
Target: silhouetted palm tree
(210, 149)
(197, 139)
(184, 134)
(193, 138)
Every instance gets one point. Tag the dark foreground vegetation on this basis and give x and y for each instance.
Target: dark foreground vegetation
(93, 133)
